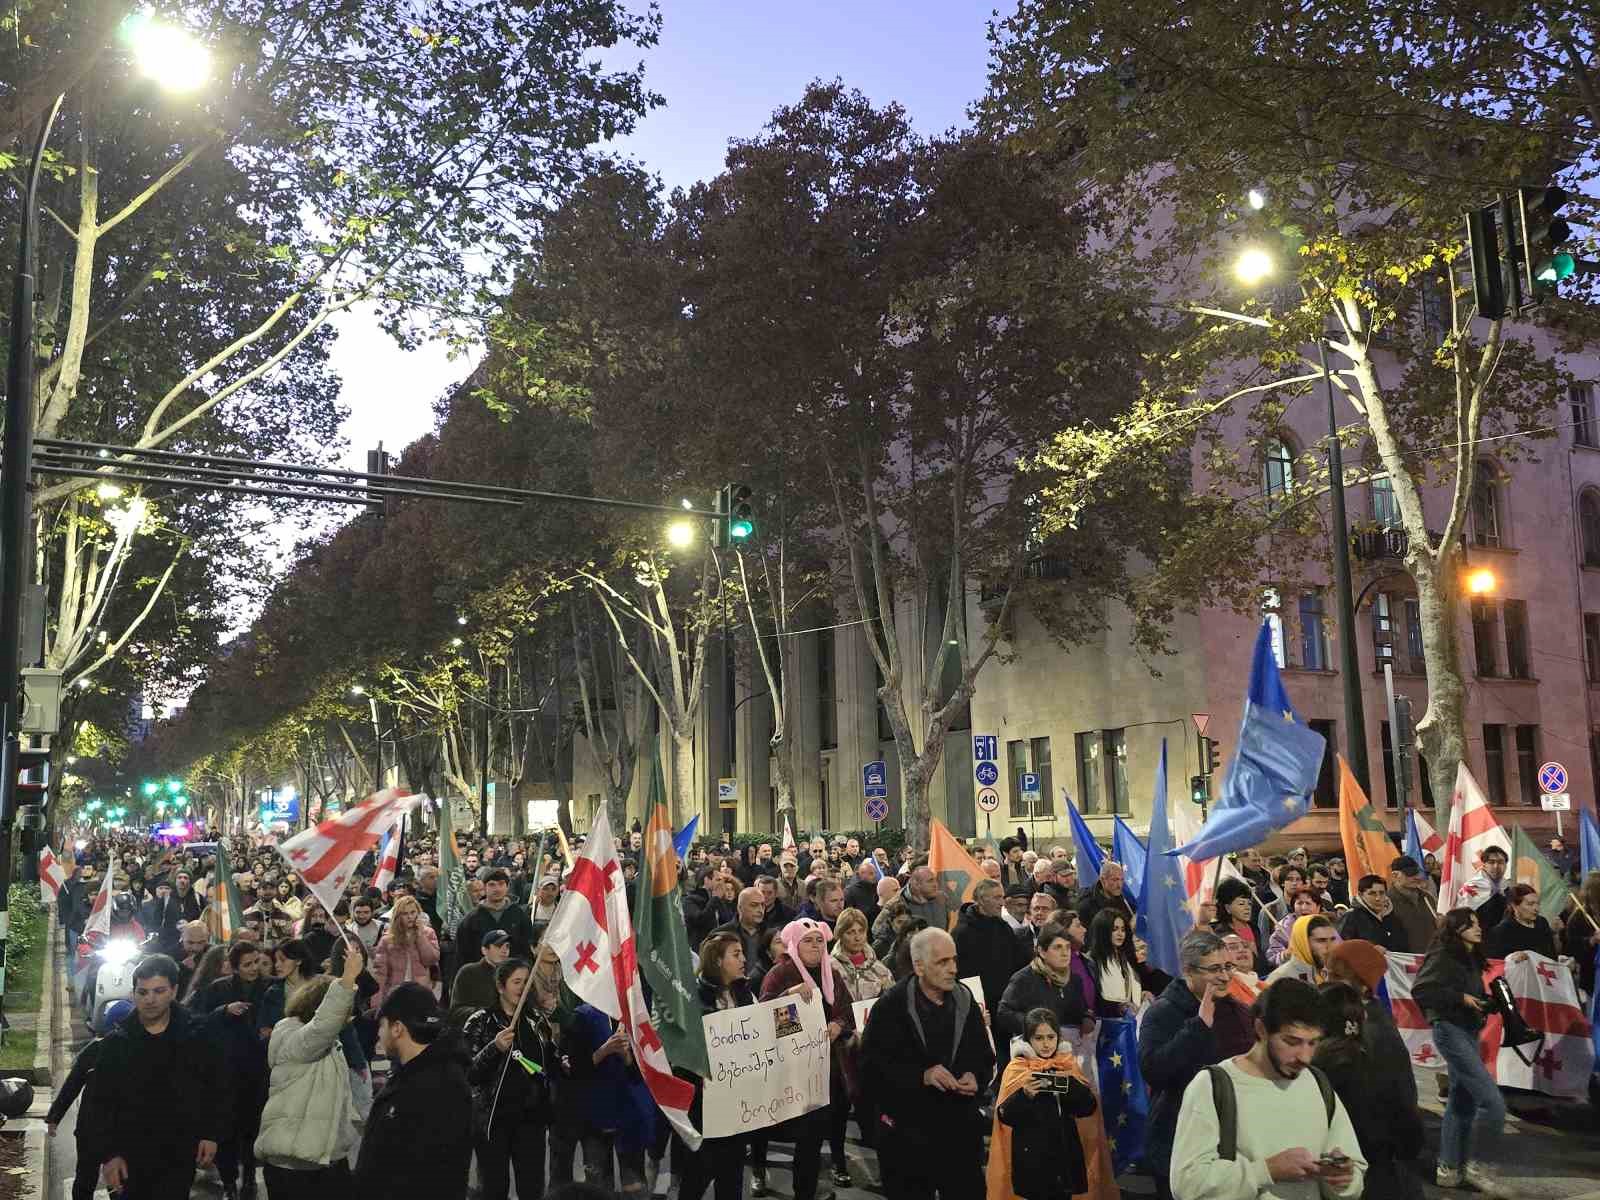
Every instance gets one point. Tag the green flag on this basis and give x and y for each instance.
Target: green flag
(452, 898)
(1530, 866)
(223, 915)
(661, 937)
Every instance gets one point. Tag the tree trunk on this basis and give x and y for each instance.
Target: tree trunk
(783, 779)
(1441, 734)
(683, 776)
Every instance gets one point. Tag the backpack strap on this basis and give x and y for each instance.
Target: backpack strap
(1227, 1113)
(1325, 1086)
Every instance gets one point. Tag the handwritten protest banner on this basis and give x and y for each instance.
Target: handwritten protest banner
(769, 1062)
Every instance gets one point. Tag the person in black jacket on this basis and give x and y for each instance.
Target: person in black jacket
(928, 1061)
(496, 912)
(1046, 982)
(152, 1149)
(985, 945)
(1177, 1041)
(1107, 893)
(232, 1009)
(1389, 1130)
(1522, 928)
(418, 1139)
(1372, 918)
(89, 1129)
(1450, 990)
(719, 1163)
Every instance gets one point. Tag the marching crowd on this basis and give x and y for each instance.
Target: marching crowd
(1273, 1066)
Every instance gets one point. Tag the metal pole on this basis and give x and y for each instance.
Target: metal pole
(483, 762)
(1350, 664)
(377, 744)
(16, 519)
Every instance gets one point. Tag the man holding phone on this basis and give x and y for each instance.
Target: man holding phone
(1287, 1135)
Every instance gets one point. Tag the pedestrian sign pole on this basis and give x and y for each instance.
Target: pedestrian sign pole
(875, 791)
(1553, 783)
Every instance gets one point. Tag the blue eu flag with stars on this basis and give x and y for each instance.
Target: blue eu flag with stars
(1124, 1100)
(1163, 916)
(1274, 767)
(1128, 850)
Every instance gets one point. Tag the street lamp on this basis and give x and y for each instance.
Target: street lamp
(1481, 582)
(680, 535)
(167, 54)
(1253, 265)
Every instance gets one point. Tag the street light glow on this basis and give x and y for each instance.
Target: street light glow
(167, 54)
(1256, 198)
(1252, 266)
(680, 535)
(1482, 582)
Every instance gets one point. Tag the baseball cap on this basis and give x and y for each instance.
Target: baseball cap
(550, 881)
(1016, 889)
(495, 937)
(1406, 865)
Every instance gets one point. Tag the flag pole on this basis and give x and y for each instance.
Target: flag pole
(516, 1021)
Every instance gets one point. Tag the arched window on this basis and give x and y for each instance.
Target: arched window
(1279, 468)
(1488, 512)
(1589, 527)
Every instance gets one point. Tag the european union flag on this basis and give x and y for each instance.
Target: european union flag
(684, 838)
(1412, 842)
(1163, 916)
(1128, 850)
(1588, 842)
(1274, 767)
(1090, 856)
(1124, 1099)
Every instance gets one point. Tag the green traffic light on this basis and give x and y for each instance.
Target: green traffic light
(150, 787)
(174, 786)
(740, 530)
(1557, 267)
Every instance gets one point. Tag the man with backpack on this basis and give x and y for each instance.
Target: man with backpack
(1268, 1123)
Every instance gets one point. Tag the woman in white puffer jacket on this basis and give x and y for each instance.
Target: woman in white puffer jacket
(308, 1127)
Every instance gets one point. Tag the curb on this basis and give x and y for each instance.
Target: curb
(36, 1153)
(44, 1032)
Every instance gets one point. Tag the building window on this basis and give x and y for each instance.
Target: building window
(1041, 767)
(1494, 762)
(1488, 521)
(1272, 610)
(1418, 661)
(1485, 637)
(1382, 629)
(1327, 793)
(1581, 398)
(827, 709)
(1528, 763)
(1589, 527)
(1591, 645)
(1519, 663)
(1385, 511)
(1314, 654)
(1279, 477)
(1017, 762)
(1089, 771)
(1115, 752)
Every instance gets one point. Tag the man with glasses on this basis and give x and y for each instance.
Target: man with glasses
(1179, 1039)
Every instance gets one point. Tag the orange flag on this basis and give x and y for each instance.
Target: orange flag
(1367, 847)
(955, 869)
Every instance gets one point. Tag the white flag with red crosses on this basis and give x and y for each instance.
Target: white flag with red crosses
(327, 856)
(51, 874)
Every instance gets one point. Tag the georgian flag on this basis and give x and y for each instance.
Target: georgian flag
(100, 912)
(1473, 830)
(593, 935)
(1547, 998)
(50, 873)
(327, 856)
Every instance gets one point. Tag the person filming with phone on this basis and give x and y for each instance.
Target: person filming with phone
(1268, 1123)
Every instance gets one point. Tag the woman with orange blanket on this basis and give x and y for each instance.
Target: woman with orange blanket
(1048, 1141)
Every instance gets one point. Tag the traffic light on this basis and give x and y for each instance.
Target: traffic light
(31, 793)
(377, 464)
(1544, 263)
(151, 787)
(1210, 756)
(736, 521)
(1488, 270)
(1199, 789)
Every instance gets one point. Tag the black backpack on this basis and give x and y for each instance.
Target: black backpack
(1228, 1108)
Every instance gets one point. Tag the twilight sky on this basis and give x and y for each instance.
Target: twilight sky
(723, 66)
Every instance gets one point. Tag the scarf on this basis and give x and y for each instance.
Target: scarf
(1060, 980)
(1300, 948)
(1091, 1132)
(792, 933)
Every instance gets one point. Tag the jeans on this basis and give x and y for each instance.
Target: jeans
(1474, 1096)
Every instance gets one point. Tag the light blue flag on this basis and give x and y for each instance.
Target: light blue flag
(1274, 767)
(1163, 918)
(1588, 844)
(1412, 843)
(684, 838)
(1090, 857)
(1128, 850)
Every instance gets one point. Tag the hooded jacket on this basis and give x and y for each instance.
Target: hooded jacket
(1175, 1045)
(418, 1140)
(987, 947)
(310, 1117)
(896, 1051)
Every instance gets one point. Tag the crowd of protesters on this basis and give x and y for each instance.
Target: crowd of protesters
(1272, 1066)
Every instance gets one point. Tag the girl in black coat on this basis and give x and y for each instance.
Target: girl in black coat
(232, 1007)
(719, 1163)
(1047, 1159)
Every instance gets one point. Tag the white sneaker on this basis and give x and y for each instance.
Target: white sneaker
(1447, 1177)
(1475, 1175)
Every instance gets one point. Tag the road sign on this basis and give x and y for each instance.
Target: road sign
(727, 793)
(1030, 785)
(1556, 802)
(985, 747)
(877, 809)
(988, 799)
(874, 780)
(986, 773)
(1552, 779)
(1201, 720)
